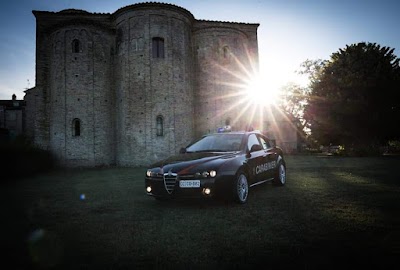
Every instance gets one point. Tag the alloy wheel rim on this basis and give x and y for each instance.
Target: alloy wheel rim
(282, 174)
(242, 188)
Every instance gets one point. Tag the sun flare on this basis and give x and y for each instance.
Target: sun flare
(259, 92)
(252, 95)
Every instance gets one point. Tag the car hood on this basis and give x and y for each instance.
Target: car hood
(191, 162)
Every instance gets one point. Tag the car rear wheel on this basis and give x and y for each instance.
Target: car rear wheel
(280, 174)
(241, 188)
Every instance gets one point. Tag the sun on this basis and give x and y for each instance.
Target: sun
(260, 92)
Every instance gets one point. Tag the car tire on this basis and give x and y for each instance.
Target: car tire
(241, 188)
(280, 174)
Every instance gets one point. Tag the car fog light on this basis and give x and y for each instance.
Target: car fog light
(207, 191)
(148, 189)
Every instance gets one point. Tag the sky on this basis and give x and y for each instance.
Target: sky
(290, 31)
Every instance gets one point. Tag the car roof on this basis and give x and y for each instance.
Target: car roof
(236, 132)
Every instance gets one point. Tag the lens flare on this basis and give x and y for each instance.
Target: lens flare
(45, 249)
(247, 96)
(259, 93)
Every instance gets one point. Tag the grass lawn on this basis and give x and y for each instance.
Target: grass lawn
(333, 213)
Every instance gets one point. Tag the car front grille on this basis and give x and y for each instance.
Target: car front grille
(170, 181)
(187, 177)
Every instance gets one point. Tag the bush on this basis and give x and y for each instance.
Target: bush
(393, 147)
(21, 158)
(363, 151)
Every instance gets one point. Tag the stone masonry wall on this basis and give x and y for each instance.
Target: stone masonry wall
(80, 89)
(225, 62)
(117, 89)
(148, 87)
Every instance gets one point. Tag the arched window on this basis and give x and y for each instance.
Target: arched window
(76, 46)
(160, 125)
(158, 47)
(76, 127)
(226, 52)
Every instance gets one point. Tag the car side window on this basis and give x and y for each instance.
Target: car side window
(265, 143)
(252, 141)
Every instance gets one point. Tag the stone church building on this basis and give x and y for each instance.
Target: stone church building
(134, 86)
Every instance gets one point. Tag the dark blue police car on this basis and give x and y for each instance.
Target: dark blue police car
(219, 164)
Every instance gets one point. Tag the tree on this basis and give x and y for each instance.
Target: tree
(294, 97)
(354, 96)
(293, 100)
(313, 68)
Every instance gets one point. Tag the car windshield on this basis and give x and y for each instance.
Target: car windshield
(217, 143)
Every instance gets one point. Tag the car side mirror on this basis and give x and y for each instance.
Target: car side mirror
(182, 150)
(256, 147)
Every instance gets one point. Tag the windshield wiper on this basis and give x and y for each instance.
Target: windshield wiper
(212, 150)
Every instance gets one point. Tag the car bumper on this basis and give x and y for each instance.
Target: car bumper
(208, 188)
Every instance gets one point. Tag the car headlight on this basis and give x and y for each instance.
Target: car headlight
(206, 174)
(148, 173)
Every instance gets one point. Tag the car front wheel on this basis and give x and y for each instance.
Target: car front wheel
(280, 174)
(241, 188)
